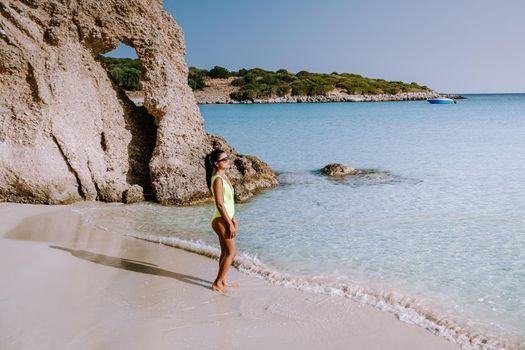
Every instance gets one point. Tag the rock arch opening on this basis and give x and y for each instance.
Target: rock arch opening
(124, 74)
(125, 70)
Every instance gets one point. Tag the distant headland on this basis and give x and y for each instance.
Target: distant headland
(221, 86)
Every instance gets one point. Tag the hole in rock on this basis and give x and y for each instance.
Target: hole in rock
(124, 70)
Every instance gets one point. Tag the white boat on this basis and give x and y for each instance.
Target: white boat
(441, 100)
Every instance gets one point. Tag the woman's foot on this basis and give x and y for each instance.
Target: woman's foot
(231, 285)
(218, 288)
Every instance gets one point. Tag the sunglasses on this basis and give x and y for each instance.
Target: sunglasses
(223, 159)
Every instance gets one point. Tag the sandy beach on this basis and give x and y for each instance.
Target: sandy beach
(65, 286)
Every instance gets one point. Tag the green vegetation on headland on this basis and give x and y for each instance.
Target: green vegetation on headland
(258, 83)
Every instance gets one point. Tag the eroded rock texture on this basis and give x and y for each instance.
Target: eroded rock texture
(68, 134)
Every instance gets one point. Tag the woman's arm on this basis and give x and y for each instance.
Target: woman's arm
(236, 225)
(219, 202)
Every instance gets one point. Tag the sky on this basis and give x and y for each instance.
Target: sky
(460, 46)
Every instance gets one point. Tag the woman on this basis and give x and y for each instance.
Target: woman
(223, 221)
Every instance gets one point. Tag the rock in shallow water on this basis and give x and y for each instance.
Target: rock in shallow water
(337, 169)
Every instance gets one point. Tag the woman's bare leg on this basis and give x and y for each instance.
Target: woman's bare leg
(223, 254)
(223, 250)
(228, 251)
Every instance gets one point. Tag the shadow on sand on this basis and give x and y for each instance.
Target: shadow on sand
(134, 265)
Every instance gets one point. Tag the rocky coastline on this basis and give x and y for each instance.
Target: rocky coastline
(330, 97)
(69, 133)
(334, 96)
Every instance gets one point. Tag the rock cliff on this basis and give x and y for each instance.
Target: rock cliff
(68, 134)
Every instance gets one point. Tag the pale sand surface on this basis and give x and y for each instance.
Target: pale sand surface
(64, 286)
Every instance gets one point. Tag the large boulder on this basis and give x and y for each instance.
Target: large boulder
(68, 134)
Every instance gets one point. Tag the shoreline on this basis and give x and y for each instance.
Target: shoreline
(330, 98)
(102, 288)
(203, 98)
(402, 306)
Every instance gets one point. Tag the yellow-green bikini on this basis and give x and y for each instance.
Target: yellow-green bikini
(228, 200)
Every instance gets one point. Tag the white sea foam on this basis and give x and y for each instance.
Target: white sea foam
(406, 309)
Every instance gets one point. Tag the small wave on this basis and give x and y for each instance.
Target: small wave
(405, 308)
(298, 178)
(364, 177)
(377, 177)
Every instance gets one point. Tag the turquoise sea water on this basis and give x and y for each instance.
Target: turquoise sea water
(439, 228)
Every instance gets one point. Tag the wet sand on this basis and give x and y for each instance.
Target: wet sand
(67, 286)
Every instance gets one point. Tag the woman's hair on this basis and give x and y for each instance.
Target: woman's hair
(209, 161)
